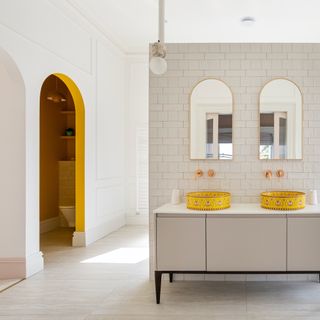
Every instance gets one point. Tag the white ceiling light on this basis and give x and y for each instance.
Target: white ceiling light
(248, 21)
(158, 64)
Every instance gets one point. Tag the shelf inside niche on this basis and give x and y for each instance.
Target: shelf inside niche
(67, 137)
(67, 112)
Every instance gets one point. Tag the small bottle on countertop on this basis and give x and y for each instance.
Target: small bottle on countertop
(313, 197)
(175, 196)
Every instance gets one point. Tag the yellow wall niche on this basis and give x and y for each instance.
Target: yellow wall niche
(53, 121)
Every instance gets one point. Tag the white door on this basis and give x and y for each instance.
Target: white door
(212, 135)
(280, 135)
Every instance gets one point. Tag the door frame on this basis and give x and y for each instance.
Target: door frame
(80, 150)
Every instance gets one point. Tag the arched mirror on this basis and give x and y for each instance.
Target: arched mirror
(280, 120)
(211, 105)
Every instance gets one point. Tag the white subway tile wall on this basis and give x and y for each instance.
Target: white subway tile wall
(245, 68)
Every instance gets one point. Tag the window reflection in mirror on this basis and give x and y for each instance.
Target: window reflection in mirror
(211, 121)
(280, 120)
(273, 135)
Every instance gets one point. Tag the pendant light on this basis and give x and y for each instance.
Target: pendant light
(56, 96)
(158, 64)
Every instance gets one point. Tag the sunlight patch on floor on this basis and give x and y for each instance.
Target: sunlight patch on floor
(121, 255)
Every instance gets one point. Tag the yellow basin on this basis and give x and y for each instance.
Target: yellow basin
(283, 200)
(208, 200)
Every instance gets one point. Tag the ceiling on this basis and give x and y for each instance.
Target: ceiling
(133, 24)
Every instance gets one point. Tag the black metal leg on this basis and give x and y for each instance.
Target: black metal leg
(171, 276)
(157, 279)
(319, 277)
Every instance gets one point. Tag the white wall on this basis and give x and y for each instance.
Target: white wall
(110, 140)
(136, 151)
(12, 160)
(44, 37)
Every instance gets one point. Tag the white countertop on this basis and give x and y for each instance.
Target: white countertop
(235, 209)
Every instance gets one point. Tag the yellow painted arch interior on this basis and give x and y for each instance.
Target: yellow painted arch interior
(80, 148)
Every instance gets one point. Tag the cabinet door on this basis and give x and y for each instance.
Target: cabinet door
(303, 244)
(246, 244)
(181, 243)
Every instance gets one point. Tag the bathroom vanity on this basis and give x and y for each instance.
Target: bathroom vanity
(242, 239)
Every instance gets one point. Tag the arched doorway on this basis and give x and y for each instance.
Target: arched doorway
(62, 143)
(12, 170)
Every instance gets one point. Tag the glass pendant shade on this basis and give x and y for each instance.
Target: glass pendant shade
(158, 65)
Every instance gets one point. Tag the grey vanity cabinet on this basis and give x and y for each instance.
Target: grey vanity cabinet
(181, 243)
(246, 243)
(240, 243)
(256, 242)
(303, 243)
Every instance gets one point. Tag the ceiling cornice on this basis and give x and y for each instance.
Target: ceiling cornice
(92, 23)
(71, 7)
(106, 33)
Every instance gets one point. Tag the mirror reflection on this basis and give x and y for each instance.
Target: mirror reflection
(280, 120)
(211, 121)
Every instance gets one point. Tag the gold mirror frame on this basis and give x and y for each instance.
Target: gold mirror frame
(232, 106)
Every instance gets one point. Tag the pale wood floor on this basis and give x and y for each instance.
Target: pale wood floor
(5, 284)
(69, 289)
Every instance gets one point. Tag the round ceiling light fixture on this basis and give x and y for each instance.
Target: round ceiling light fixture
(56, 96)
(248, 21)
(158, 64)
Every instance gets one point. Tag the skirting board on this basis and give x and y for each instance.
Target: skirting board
(34, 263)
(79, 239)
(12, 268)
(83, 239)
(142, 219)
(20, 268)
(49, 224)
